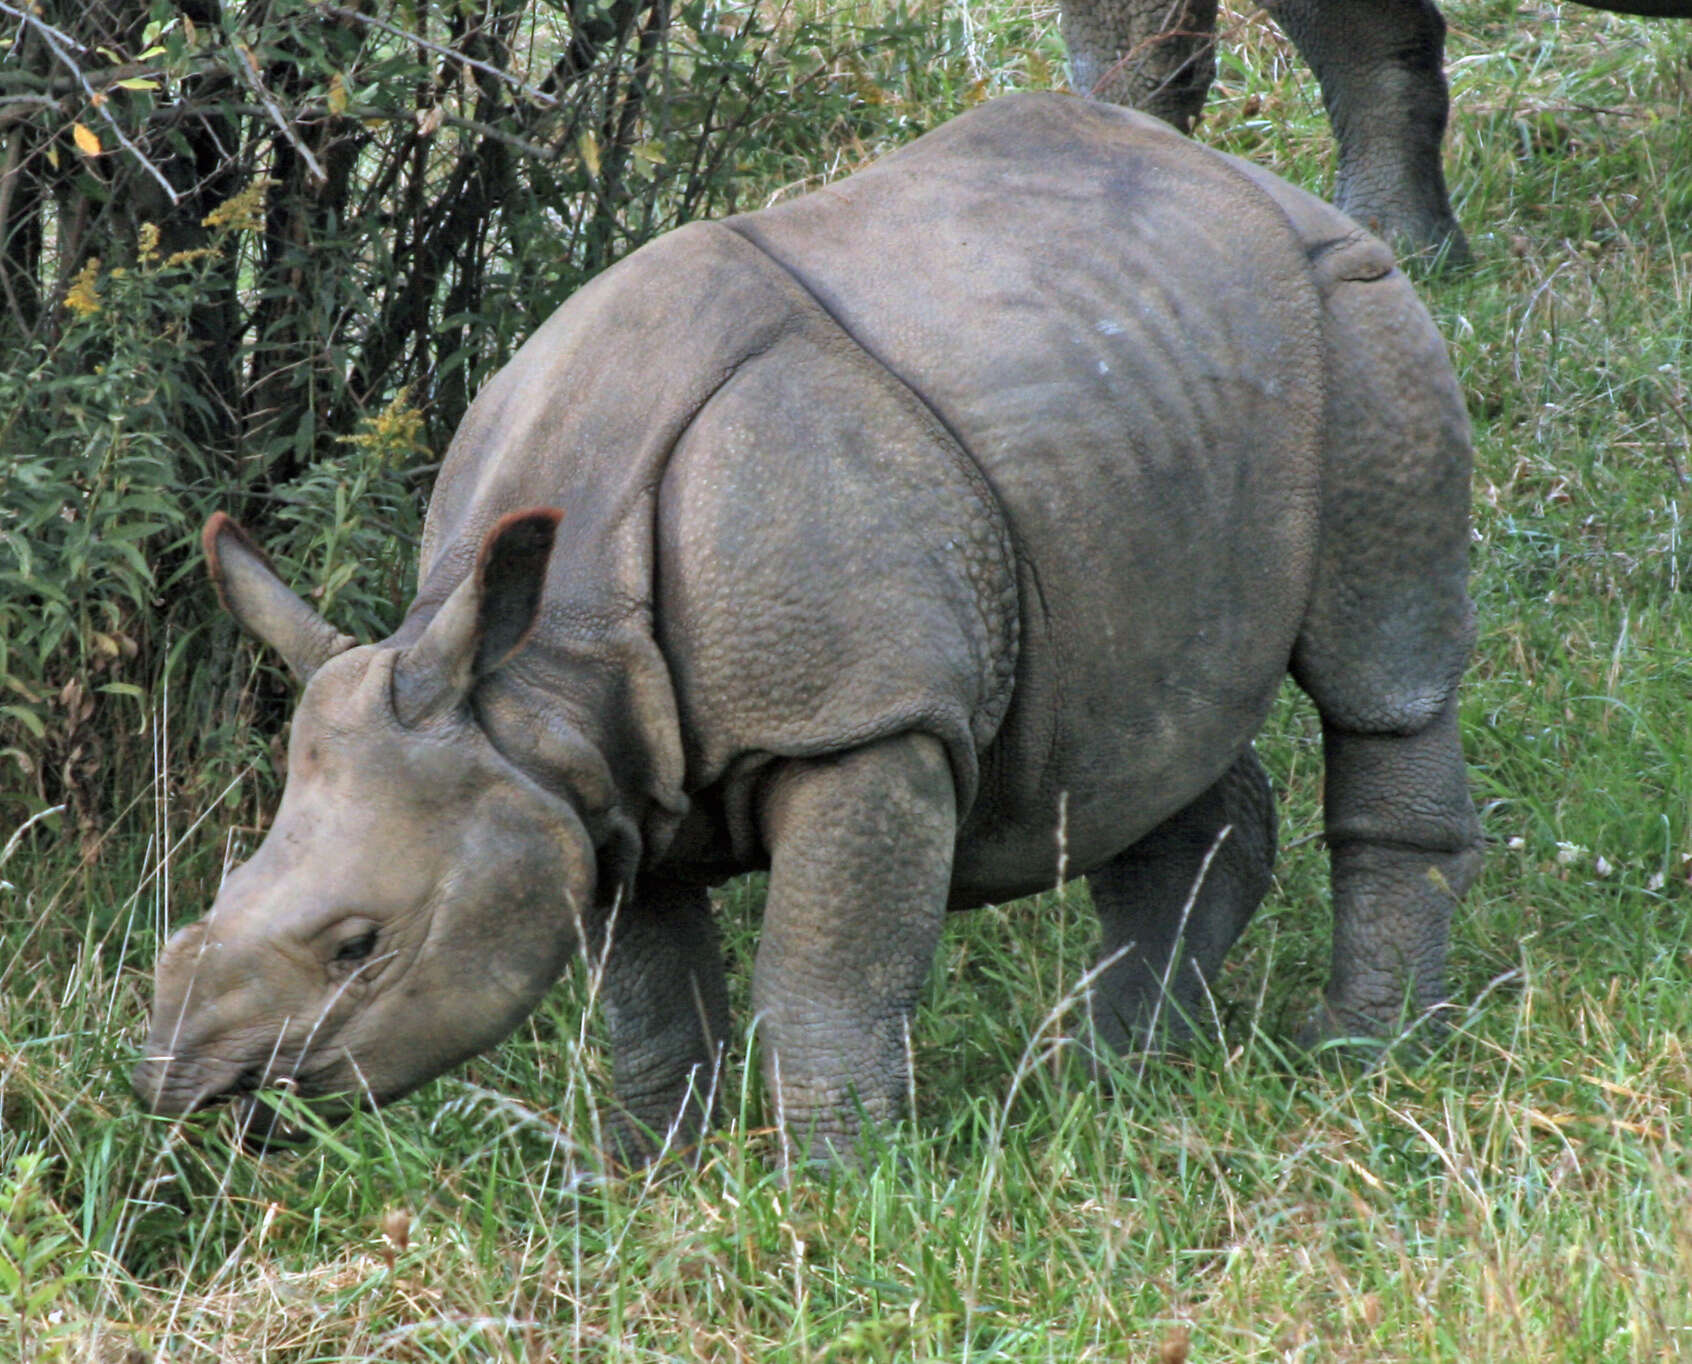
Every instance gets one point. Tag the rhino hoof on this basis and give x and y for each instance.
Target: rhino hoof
(1351, 1038)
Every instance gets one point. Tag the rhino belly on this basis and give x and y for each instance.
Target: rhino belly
(1124, 711)
(1159, 474)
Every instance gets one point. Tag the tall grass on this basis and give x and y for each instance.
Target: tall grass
(1525, 1193)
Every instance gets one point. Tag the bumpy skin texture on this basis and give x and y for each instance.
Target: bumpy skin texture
(925, 540)
(1380, 64)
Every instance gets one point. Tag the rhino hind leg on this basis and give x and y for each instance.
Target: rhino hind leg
(1404, 847)
(1385, 640)
(1168, 920)
(665, 998)
(860, 864)
(1381, 67)
(1155, 55)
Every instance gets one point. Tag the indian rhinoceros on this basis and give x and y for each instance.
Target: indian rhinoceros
(1381, 67)
(924, 539)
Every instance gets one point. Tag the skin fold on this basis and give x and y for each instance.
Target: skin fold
(922, 540)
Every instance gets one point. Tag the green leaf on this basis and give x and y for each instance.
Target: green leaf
(35, 1304)
(27, 718)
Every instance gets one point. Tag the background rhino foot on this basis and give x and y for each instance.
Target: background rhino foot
(1350, 1037)
(1381, 66)
(1155, 55)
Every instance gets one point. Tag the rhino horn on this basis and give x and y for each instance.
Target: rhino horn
(484, 622)
(252, 592)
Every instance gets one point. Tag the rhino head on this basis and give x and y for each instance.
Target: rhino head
(417, 892)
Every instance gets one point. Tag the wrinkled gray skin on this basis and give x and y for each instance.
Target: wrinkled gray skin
(1381, 66)
(923, 539)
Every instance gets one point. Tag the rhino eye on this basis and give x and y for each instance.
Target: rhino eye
(356, 949)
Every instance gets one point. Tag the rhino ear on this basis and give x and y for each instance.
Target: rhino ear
(483, 623)
(251, 592)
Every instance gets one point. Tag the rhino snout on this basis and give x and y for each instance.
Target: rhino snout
(173, 1086)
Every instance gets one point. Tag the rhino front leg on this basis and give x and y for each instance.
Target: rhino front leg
(1151, 936)
(860, 866)
(666, 1007)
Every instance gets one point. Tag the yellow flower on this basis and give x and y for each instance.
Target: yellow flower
(83, 297)
(393, 433)
(242, 211)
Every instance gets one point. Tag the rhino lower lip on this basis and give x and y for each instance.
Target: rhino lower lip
(261, 1128)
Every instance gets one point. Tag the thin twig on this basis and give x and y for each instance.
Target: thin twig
(66, 85)
(522, 87)
(534, 149)
(57, 41)
(248, 74)
(16, 108)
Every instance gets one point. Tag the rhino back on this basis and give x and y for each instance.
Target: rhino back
(585, 414)
(1123, 333)
(584, 418)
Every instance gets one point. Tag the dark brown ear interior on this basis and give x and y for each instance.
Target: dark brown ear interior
(512, 569)
(251, 591)
(483, 622)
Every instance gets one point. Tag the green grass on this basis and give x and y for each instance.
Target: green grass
(1525, 1193)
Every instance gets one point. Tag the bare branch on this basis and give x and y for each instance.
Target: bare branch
(245, 66)
(16, 108)
(522, 87)
(64, 85)
(539, 153)
(58, 42)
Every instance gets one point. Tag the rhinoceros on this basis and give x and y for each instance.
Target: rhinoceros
(925, 539)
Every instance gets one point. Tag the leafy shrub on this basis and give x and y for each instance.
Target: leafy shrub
(259, 256)
(97, 487)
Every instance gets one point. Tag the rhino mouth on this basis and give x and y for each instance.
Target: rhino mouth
(254, 1094)
(261, 1125)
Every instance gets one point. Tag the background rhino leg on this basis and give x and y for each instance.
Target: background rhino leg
(1140, 896)
(1384, 643)
(860, 866)
(1156, 55)
(1381, 66)
(666, 1004)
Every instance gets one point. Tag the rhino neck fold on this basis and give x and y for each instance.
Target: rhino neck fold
(589, 723)
(585, 418)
